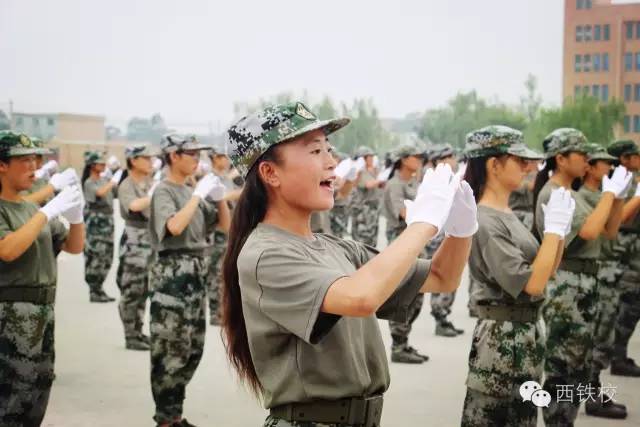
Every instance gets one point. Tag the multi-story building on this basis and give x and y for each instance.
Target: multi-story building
(602, 55)
(62, 126)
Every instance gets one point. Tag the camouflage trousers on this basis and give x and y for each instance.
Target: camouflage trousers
(608, 302)
(569, 311)
(400, 330)
(339, 218)
(214, 281)
(503, 355)
(178, 305)
(471, 305)
(133, 279)
(364, 223)
(26, 362)
(98, 249)
(441, 303)
(272, 421)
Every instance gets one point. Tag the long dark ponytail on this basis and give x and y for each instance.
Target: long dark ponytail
(125, 174)
(250, 210)
(86, 173)
(476, 175)
(394, 168)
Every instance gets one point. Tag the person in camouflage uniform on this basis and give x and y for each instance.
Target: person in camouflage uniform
(339, 214)
(609, 272)
(441, 303)
(134, 193)
(571, 306)
(180, 220)
(627, 153)
(402, 185)
(39, 193)
(28, 281)
(98, 251)
(365, 205)
(507, 347)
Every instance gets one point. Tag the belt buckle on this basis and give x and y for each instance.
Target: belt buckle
(373, 413)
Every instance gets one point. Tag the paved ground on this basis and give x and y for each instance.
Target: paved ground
(99, 383)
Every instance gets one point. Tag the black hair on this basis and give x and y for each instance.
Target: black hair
(4, 158)
(86, 173)
(396, 166)
(125, 174)
(476, 175)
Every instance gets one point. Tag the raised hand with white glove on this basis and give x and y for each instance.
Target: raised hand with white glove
(75, 215)
(106, 174)
(157, 164)
(64, 179)
(360, 164)
(115, 179)
(153, 188)
(113, 163)
(558, 212)
(463, 220)
(68, 199)
(434, 199)
(207, 184)
(619, 182)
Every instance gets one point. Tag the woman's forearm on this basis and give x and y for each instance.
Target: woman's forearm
(75, 240)
(14, 244)
(593, 226)
(102, 191)
(178, 222)
(448, 265)
(41, 195)
(138, 205)
(544, 264)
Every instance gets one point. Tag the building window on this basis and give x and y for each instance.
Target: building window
(595, 91)
(596, 62)
(578, 63)
(607, 32)
(636, 124)
(605, 62)
(628, 61)
(627, 124)
(585, 90)
(637, 61)
(629, 30)
(580, 4)
(638, 30)
(597, 33)
(636, 92)
(579, 34)
(50, 121)
(587, 33)
(587, 4)
(627, 93)
(586, 63)
(605, 93)
(576, 91)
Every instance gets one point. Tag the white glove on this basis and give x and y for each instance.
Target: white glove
(384, 175)
(376, 162)
(637, 193)
(67, 200)
(541, 166)
(619, 182)
(157, 176)
(51, 166)
(462, 169)
(206, 185)
(64, 179)
(157, 164)
(463, 220)
(75, 215)
(106, 174)
(360, 164)
(117, 176)
(218, 191)
(152, 189)
(344, 167)
(435, 197)
(558, 212)
(113, 163)
(203, 168)
(351, 175)
(42, 173)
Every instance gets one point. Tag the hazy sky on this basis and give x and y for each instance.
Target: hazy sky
(191, 59)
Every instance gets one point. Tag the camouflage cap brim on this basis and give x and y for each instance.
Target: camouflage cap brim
(602, 156)
(23, 151)
(190, 146)
(578, 148)
(524, 152)
(132, 153)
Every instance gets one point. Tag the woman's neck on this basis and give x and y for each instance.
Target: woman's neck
(94, 175)
(496, 197)
(220, 171)
(10, 194)
(136, 175)
(562, 179)
(405, 174)
(290, 219)
(592, 183)
(176, 177)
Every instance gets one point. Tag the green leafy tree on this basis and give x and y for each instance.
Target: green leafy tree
(531, 102)
(5, 123)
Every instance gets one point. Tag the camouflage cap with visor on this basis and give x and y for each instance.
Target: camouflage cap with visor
(173, 142)
(17, 144)
(406, 150)
(93, 156)
(564, 140)
(40, 144)
(141, 151)
(363, 151)
(624, 147)
(498, 140)
(254, 134)
(598, 152)
(442, 151)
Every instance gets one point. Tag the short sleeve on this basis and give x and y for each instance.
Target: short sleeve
(163, 207)
(506, 263)
(59, 234)
(396, 199)
(90, 187)
(583, 210)
(543, 198)
(4, 225)
(126, 195)
(292, 291)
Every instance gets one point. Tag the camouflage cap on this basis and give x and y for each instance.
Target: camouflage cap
(253, 135)
(497, 140)
(40, 144)
(363, 151)
(623, 147)
(16, 144)
(598, 152)
(442, 151)
(92, 157)
(564, 140)
(176, 142)
(141, 151)
(406, 150)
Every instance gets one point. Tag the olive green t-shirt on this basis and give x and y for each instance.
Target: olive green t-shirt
(575, 247)
(321, 222)
(37, 265)
(395, 192)
(128, 191)
(94, 203)
(502, 252)
(299, 353)
(608, 248)
(635, 223)
(522, 199)
(38, 185)
(168, 198)
(364, 194)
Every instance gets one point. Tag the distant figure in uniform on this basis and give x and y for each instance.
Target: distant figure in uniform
(30, 240)
(300, 308)
(365, 205)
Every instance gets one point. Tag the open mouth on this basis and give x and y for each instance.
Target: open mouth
(327, 183)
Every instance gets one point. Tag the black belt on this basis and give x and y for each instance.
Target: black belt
(356, 411)
(32, 294)
(137, 224)
(505, 313)
(182, 252)
(586, 266)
